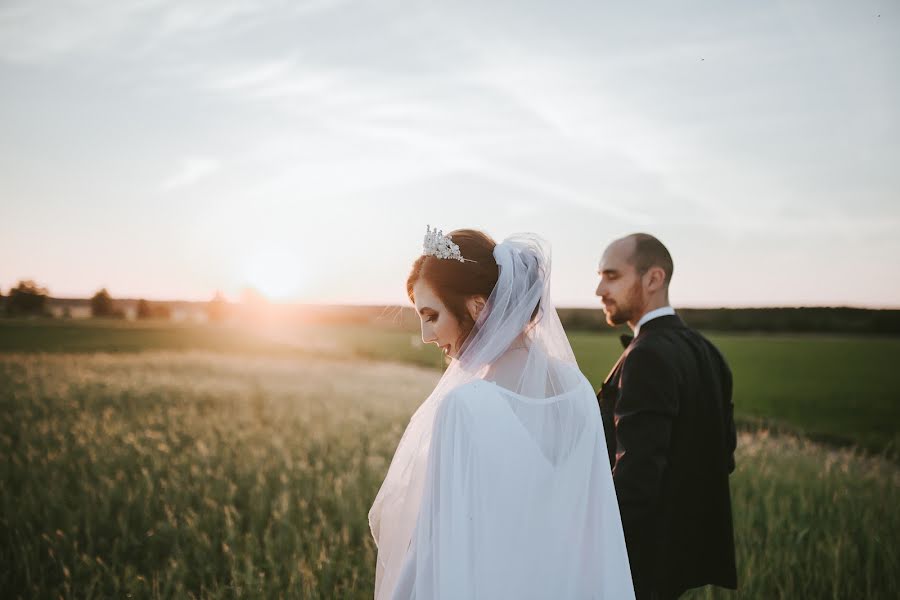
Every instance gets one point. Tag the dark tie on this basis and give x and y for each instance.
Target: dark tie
(625, 339)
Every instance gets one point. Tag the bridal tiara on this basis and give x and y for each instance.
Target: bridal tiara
(441, 246)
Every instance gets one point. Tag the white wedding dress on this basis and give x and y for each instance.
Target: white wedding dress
(501, 486)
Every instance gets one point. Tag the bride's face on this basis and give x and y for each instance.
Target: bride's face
(439, 326)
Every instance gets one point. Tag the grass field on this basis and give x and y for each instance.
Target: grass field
(212, 465)
(830, 388)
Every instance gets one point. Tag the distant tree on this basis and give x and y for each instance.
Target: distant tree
(27, 298)
(161, 311)
(102, 305)
(146, 310)
(143, 309)
(217, 308)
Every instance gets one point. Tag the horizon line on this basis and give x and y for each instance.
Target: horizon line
(567, 307)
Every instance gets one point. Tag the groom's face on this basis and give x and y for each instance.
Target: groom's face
(620, 288)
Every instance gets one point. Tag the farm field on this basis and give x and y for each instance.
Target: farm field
(165, 462)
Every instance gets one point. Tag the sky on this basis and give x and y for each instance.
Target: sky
(167, 149)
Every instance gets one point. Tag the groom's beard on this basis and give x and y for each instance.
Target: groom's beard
(619, 313)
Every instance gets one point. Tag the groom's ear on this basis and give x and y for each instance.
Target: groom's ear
(475, 305)
(656, 279)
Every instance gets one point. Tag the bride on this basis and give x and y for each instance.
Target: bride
(500, 486)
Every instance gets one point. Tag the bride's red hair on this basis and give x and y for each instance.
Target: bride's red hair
(454, 282)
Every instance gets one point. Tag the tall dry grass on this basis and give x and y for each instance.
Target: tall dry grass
(199, 475)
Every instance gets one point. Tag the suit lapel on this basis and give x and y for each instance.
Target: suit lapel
(663, 322)
(616, 366)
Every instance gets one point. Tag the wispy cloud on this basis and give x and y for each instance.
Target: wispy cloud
(40, 31)
(35, 31)
(282, 80)
(191, 170)
(772, 127)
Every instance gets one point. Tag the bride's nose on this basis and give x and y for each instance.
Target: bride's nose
(428, 336)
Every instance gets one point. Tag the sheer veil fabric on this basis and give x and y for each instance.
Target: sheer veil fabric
(500, 486)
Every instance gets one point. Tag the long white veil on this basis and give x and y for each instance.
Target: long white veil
(518, 370)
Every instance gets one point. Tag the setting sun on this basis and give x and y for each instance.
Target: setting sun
(276, 272)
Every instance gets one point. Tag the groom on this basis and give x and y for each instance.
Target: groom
(668, 416)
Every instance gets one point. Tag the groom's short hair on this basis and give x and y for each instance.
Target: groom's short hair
(650, 252)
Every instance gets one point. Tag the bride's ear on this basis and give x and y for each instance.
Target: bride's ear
(475, 305)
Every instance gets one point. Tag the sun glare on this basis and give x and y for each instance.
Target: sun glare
(277, 273)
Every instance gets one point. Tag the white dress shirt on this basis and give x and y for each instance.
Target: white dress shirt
(659, 312)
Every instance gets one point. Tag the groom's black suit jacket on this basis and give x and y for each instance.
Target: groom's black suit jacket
(668, 416)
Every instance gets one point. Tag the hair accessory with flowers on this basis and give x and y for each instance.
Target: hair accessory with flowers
(441, 246)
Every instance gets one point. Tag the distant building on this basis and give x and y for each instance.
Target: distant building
(69, 308)
(199, 312)
(190, 313)
(80, 308)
